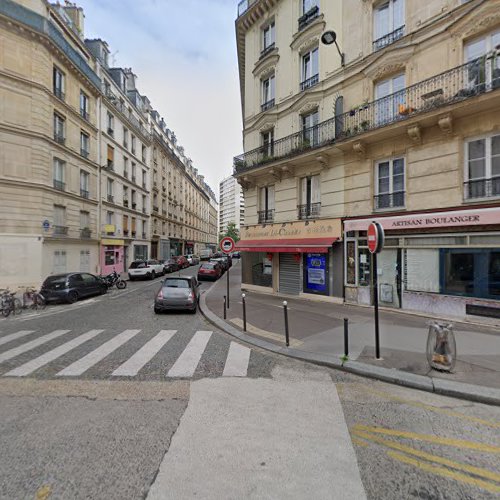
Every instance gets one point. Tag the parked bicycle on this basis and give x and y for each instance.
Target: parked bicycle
(114, 279)
(33, 299)
(9, 303)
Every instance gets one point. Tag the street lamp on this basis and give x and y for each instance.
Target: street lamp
(329, 37)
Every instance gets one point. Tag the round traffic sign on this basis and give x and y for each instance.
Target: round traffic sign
(227, 244)
(375, 237)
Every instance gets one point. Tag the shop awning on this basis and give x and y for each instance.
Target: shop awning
(301, 245)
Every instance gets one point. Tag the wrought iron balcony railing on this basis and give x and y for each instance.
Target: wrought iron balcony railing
(309, 211)
(59, 93)
(84, 114)
(482, 188)
(385, 40)
(267, 105)
(265, 216)
(244, 5)
(389, 200)
(60, 230)
(59, 185)
(310, 82)
(85, 232)
(267, 50)
(84, 153)
(59, 138)
(111, 198)
(308, 17)
(84, 193)
(461, 83)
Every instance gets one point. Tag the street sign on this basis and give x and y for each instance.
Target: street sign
(227, 244)
(375, 237)
(46, 225)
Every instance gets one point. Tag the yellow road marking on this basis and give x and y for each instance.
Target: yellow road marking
(43, 492)
(458, 443)
(359, 442)
(264, 333)
(433, 469)
(485, 473)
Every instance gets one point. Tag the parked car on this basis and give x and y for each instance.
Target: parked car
(170, 265)
(178, 293)
(209, 271)
(224, 263)
(236, 255)
(193, 259)
(149, 269)
(181, 261)
(69, 287)
(205, 254)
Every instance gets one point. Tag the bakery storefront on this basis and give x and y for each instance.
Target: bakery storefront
(293, 258)
(441, 262)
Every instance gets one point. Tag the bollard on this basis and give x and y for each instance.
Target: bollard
(346, 337)
(285, 309)
(224, 307)
(244, 312)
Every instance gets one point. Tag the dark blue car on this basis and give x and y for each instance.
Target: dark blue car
(70, 287)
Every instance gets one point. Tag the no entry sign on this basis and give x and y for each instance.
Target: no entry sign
(227, 244)
(375, 237)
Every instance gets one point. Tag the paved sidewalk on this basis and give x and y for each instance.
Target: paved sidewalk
(316, 334)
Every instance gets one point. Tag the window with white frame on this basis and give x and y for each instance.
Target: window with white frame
(84, 105)
(125, 137)
(307, 5)
(60, 219)
(58, 174)
(110, 218)
(388, 23)
(84, 184)
(390, 184)
(58, 82)
(267, 138)
(390, 99)
(268, 37)
(110, 120)
(310, 197)
(482, 169)
(266, 204)
(268, 92)
(58, 128)
(110, 188)
(84, 144)
(84, 219)
(309, 69)
(483, 56)
(59, 262)
(310, 128)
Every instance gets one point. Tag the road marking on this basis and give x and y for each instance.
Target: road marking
(43, 492)
(264, 333)
(458, 443)
(359, 442)
(187, 362)
(236, 361)
(92, 358)
(485, 485)
(12, 353)
(15, 336)
(477, 471)
(35, 364)
(132, 366)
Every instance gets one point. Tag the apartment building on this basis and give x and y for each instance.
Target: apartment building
(405, 130)
(231, 204)
(49, 162)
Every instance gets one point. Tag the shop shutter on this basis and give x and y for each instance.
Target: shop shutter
(290, 281)
(422, 270)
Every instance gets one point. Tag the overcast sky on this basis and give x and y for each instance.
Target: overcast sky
(184, 55)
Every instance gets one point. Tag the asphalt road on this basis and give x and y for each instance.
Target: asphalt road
(105, 399)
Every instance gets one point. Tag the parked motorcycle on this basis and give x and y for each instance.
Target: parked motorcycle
(114, 279)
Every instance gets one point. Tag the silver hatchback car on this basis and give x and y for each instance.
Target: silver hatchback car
(178, 293)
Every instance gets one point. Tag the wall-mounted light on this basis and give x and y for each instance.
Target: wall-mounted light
(329, 37)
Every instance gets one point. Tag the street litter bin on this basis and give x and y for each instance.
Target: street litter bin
(441, 346)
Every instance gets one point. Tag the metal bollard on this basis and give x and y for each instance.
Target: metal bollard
(224, 307)
(244, 312)
(346, 337)
(285, 309)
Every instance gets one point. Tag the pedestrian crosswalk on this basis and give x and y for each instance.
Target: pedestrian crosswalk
(129, 353)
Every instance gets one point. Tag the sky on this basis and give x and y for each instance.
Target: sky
(184, 55)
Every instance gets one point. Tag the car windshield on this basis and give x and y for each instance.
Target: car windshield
(137, 264)
(207, 266)
(176, 283)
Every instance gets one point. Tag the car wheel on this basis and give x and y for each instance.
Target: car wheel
(153, 275)
(104, 290)
(157, 311)
(72, 297)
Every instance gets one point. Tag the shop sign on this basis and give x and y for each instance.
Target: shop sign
(294, 230)
(316, 272)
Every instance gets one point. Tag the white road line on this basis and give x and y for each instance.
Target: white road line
(92, 358)
(15, 336)
(12, 353)
(187, 362)
(237, 361)
(132, 366)
(34, 364)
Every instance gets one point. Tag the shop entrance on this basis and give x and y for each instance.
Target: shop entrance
(290, 273)
(389, 277)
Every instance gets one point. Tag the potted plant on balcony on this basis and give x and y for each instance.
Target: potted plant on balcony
(365, 125)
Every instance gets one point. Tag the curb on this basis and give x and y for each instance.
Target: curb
(469, 392)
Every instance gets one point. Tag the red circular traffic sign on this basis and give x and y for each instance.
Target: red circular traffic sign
(227, 244)
(375, 237)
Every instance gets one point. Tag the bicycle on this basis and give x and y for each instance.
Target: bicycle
(33, 299)
(9, 303)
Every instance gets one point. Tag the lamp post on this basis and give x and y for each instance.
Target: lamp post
(329, 37)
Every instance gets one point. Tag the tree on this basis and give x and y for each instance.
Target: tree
(232, 232)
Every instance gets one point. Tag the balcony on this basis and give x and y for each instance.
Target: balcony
(267, 50)
(265, 216)
(59, 138)
(84, 114)
(308, 17)
(309, 211)
(310, 82)
(85, 233)
(59, 94)
(84, 193)
(457, 85)
(60, 185)
(386, 40)
(111, 198)
(482, 188)
(125, 203)
(60, 230)
(267, 105)
(84, 153)
(387, 201)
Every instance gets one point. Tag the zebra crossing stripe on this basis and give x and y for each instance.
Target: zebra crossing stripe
(236, 361)
(132, 366)
(12, 353)
(15, 336)
(187, 362)
(34, 364)
(92, 358)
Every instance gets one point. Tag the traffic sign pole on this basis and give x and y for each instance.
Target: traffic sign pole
(375, 303)
(227, 246)
(376, 238)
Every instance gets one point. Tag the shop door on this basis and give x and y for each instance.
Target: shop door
(389, 277)
(289, 274)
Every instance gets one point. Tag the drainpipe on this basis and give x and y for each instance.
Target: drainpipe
(99, 183)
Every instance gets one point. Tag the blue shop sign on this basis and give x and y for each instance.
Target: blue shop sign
(316, 272)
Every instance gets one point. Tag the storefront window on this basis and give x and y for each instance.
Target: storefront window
(351, 263)
(257, 269)
(109, 257)
(459, 273)
(364, 267)
(494, 275)
(140, 252)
